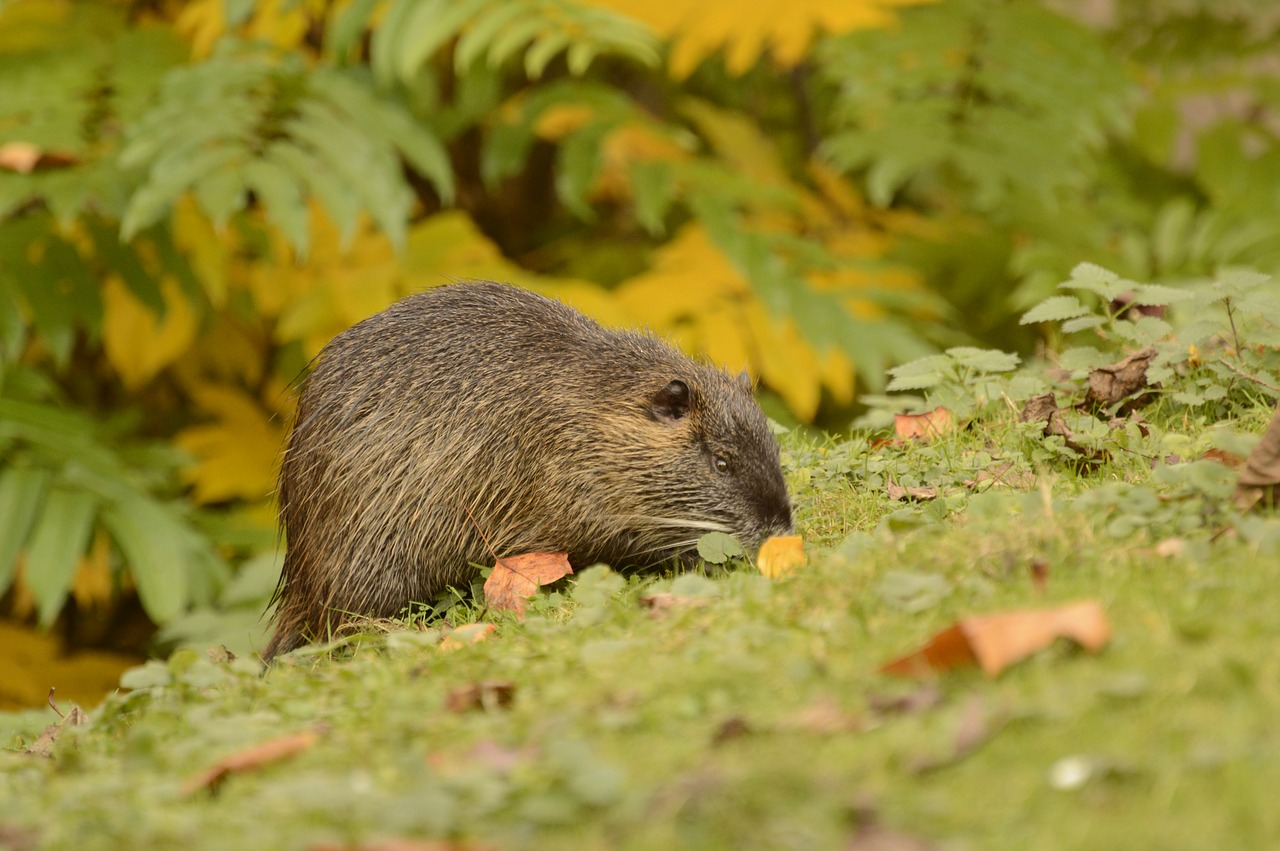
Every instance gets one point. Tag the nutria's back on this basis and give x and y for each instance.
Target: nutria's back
(482, 408)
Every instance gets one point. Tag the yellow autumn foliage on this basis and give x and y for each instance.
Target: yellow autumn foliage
(139, 343)
(746, 31)
(283, 23)
(237, 451)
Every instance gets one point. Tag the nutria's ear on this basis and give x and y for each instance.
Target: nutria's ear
(745, 381)
(672, 401)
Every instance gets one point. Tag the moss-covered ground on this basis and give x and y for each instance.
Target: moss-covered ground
(755, 717)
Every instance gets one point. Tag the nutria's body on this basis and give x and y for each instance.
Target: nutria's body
(482, 408)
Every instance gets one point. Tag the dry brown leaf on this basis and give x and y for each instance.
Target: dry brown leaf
(898, 493)
(43, 745)
(517, 578)
(472, 633)
(924, 426)
(1117, 381)
(1261, 474)
(779, 556)
(1039, 575)
(994, 642)
(249, 759)
(734, 727)
(661, 603)
(14, 838)
(1044, 409)
(486, 695)
(26, 157)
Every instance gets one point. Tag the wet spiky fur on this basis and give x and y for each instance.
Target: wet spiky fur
(481, 408)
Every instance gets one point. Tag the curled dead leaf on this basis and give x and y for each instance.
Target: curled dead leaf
(43, 745)
(900, 494)
(926, 426)
(1118, 381)
(994, 642)
(517, 578)
(780, 556)
(263, 753)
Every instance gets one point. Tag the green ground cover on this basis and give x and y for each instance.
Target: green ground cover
(752, 714)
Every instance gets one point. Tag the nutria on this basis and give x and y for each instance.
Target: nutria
(477, 418)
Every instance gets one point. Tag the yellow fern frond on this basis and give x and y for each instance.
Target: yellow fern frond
(236, 453)
(139, 343)
(745, 31)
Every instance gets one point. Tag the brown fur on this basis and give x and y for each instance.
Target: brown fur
(484, 408)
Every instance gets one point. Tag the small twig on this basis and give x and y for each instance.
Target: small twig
(1247, 377)
(53, 705)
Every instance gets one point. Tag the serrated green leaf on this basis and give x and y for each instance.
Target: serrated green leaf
(1155, 295)
(21, 492)
(428, 27)
(394, 125)
(546, 48)
(513, 38)
(580, 56)
(1082, 323)
(579, 162)
(60, 537)
(281, 197)
(718, 548)
(386, 38)
(342, 205)
(919, 381)
(653, 191)
(153, 542)
(481, 34)
(1093, 278)
(155, 197)
(984, 360)
(1054, 309)
(347, 26)
(221, 195)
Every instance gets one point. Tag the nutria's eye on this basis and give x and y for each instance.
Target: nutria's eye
(721, 464)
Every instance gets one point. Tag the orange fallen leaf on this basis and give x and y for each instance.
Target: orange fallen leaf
(924, 426)
(472, 633)
(26, 157)
(486, 695)
(517, 578)
(263, 753)
(779, 556)
(994, 642)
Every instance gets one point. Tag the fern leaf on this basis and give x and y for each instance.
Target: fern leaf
(1054, 309)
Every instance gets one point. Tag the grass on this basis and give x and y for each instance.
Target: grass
(757, 719)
